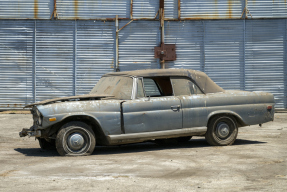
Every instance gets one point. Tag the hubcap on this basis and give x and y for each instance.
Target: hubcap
(76, 141)
(222, 130)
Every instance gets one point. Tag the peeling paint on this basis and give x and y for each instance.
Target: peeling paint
(229, 12)
(36, 9)
(76, 4)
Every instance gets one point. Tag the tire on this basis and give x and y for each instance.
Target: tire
(75, 139)
(47, 145)
(221, 131)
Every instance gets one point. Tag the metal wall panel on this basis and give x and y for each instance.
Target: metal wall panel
(188, 37)
(207, 9)
(145, 9)
(95, 53)
(265, 53)
(223, 52)
(90, 9)
(136, 45)
(54, 59)
(285, 66)
(28, 9)
(267, 9)
(47, 59)
(171, 9)
(16, 69)
(236, 54)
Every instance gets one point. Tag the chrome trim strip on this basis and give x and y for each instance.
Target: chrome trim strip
(138, 137)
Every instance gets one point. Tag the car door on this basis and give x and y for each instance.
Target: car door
(154, 108)
(193, 102)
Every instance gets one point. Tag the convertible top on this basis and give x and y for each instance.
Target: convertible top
(201, 79)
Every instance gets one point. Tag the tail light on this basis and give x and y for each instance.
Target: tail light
(269, 107)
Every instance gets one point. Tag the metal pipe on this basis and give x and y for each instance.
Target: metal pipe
(125, 25)
(131, 10)
(161, 17)
(178, 9)
(75, 60)
(35, 62)
(117, 44)
(244, 32)
(203, 47)
(285, 66)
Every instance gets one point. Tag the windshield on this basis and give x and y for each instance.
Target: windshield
(119, 87)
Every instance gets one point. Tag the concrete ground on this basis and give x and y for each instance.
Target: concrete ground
(256, 162)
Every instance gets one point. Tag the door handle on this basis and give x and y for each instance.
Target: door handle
(175, 107)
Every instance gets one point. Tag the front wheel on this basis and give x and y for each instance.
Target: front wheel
(221, 130)
(75, 138)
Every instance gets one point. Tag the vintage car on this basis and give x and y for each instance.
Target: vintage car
(147, 105)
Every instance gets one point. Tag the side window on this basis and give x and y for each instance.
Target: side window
(154, 87)
(183, 86)
(193, 88)
(151, 89)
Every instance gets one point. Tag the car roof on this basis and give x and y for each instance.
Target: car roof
(153, 72)
(200, 78)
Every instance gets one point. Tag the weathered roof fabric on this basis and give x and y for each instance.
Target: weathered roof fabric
(200, 78)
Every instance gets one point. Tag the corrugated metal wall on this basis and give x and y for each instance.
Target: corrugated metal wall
(54, 59)
(206, 9)
(90, 9)
(188, 37)
(237, 54)
(95, 54)
(223, 52)
(102, 9)
(267, 9)
(171, 9)
(265, 52)
(46, 59)
(67, 52)
(16, 63)
(136, 45)
(145, 9)
(26, 9)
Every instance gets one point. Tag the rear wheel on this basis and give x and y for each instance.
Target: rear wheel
(221, 130)
(75, 138)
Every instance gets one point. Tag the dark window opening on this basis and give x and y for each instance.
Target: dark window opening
(155, 87)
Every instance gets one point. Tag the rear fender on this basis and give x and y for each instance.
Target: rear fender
(239, 119)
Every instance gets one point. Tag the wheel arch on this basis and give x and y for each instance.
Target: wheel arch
(238, 118)
(101, 139)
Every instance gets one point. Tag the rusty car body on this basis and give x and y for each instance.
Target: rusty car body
(147, 105)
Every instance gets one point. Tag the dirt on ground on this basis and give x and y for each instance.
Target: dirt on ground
(256, 162)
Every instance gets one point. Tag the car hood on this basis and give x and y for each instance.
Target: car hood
(72, 98)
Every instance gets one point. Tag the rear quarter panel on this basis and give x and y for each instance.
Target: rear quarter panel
(250, 107)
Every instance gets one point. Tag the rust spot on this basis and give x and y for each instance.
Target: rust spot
(76, 4)
(131, 11)
(161, 4)
(203, 16)
(36, 9)
(178, 7)
(216, 8)
(229, 11)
